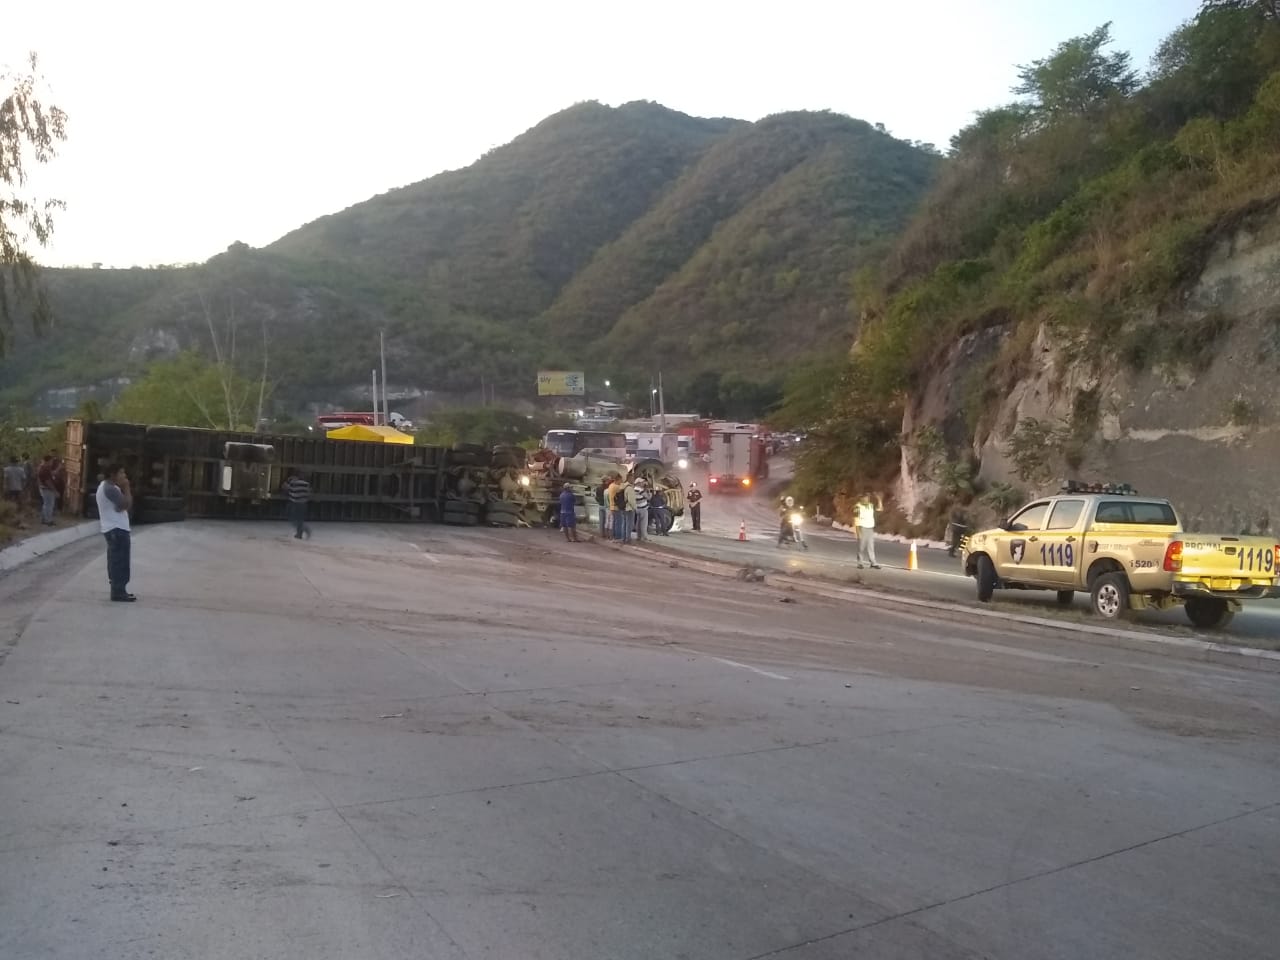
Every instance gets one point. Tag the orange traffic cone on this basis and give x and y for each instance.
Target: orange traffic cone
(742, 531)
(912, 562)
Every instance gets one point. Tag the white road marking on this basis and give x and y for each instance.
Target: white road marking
(430, 556)
(746, 666)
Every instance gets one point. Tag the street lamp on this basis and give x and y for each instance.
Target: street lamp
(607, 384)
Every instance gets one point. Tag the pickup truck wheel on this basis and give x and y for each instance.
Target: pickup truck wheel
(986, 577)
(1110, 596)
(1065, 597)
(1209, 613)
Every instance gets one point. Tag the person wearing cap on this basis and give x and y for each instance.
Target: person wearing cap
(642, 509)
(695, 505)
(568, 514)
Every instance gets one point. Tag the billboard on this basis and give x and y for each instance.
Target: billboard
(561, 383)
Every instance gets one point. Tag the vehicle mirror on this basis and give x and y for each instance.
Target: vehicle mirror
(1006, 524)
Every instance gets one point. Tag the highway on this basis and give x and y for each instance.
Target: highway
(432, 743)
(834, 554)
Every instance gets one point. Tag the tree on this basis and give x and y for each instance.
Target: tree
(188, 391)
(1214, 62)
(1077, 76)
(29, 131)
(488, 426)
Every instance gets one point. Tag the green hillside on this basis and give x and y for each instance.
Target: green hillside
(1081, 213)
(501, 237)
(774, 278)
(626, 237)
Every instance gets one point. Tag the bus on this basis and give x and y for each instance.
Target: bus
(570, 443)
(335, 421)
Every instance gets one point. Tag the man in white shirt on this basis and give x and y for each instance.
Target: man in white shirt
(114, 502)
(865, 521)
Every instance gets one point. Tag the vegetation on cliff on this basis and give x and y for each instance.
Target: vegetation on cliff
(1084, 207)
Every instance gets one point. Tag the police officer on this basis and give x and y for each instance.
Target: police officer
(695, 505)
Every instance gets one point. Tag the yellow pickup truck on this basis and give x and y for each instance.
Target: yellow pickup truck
(1127, 552)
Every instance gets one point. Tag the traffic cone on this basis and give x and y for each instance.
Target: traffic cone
(912, 562)
(742, 531)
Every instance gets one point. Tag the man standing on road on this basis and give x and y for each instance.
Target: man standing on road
(299, 491)
(114, 502)
(48, 492)
(658, 507)
(617, 507)
(866, 524)
(568, 514)
(695, 505)
(642, 509)
(602, 504)
(15, 481)
(629, 515)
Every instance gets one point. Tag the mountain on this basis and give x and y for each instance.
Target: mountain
(625, 239)
(503, 236)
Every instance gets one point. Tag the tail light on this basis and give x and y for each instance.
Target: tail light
(714, 481)
(1173, 557)
(746, 481)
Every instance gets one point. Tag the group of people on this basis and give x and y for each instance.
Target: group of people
(627, 508)
(44, 485)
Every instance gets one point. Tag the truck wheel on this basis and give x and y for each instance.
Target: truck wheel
(1209, 613)
(1065, 597)
(1110, 596)
(986, 579)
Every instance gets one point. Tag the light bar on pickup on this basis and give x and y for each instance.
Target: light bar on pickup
(1113, 489)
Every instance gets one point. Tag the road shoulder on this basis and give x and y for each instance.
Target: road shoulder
(1186, 647)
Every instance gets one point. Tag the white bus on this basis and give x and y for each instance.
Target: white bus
(570, 443)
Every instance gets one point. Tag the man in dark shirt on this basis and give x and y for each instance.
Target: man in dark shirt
(48, 492)
(569, 514)
(299, 492)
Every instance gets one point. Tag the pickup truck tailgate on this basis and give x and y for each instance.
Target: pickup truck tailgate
(1218, 565)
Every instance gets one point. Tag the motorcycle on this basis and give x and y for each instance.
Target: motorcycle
(791, 531)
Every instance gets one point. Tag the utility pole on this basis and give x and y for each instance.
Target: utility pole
(374, 393)
(382, 350)
(662, 407)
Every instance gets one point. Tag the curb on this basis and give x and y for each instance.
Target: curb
(29, 549)
(1212, 651)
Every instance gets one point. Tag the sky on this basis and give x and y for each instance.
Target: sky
(193, 126)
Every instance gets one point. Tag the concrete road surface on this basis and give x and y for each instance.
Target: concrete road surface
(834, 553)
(420, 742)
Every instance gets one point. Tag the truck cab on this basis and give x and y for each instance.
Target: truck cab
(1127, 552)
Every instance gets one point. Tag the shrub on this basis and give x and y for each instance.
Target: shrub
(1240, 412)
(8, 520)
(1032, 448)
(1003, 498)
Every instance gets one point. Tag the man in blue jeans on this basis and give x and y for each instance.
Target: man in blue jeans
(48, 489)
(114, 502)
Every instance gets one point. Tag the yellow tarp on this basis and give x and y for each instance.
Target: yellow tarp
(360, 431)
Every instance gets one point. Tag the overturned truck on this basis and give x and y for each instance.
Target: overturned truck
(181, 472)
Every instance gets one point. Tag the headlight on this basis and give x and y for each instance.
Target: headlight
(524, 480)
(797, 519)
(682, 463)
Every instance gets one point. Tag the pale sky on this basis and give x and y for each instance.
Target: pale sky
(196, 125)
